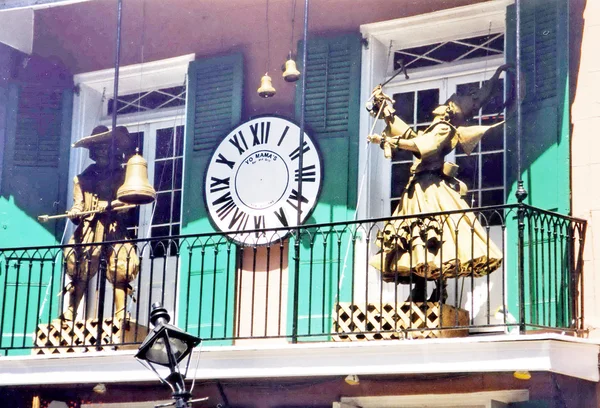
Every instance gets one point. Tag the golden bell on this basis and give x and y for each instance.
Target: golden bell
(136, 189)
(266, 89)
(291, 73)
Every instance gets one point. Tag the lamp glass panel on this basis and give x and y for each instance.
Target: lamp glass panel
(158, 352)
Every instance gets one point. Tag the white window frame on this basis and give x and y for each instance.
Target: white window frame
(95, 89)
(446, 25)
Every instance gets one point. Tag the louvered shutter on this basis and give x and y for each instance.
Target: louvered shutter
(35, 162)
(545, 154)
(332, 119)
(35, 157)
(213, 109)
(214, 104)
(545, 133)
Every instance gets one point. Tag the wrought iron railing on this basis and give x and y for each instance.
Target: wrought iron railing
(313, 283)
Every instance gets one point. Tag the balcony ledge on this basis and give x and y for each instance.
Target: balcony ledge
(498, 353)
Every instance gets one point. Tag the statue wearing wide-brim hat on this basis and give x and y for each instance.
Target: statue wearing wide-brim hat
(99, 218)
(101, 135)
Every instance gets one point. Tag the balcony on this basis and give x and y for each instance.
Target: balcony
(313, 284)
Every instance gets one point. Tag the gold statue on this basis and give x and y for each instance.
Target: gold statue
(99, 218)
(414, 250)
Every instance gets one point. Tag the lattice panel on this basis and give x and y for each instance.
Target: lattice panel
(383, 321)
(80, 336)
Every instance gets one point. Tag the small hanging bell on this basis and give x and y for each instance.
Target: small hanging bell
(136, 189)
(266, 89)
(291, 73)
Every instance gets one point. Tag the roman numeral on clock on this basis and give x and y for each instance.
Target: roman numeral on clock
(293, 199)
(222, 160)
(226, 205)
(280, 214)
(296, 153)
(239, 221)
(236, 143)
(217, 184)
(265, 128)
(283, 135)
(308, 173)
(259, 223)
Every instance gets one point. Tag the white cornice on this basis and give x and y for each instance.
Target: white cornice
(138, 77)
(474, 19)
(505, 353)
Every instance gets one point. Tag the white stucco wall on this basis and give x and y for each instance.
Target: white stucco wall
(586, 159)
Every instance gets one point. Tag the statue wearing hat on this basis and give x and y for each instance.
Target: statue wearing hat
(99, 217)
(417, 249)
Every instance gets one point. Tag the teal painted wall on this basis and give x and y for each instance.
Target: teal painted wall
(332, 120)
(545, 156)
(35, 131)
(208, 265)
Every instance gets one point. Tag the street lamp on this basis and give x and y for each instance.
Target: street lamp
(167, 346)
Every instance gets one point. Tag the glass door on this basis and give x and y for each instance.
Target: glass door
(483, 171)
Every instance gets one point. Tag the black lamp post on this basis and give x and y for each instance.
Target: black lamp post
(167, 346)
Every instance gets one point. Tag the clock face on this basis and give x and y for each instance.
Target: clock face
(252, 180)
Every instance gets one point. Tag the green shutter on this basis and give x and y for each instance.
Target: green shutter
(545, 154)
(35, 165)
(35, 157)
(207, 268)
(332, 120)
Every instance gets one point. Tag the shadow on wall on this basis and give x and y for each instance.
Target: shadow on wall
(35, 125)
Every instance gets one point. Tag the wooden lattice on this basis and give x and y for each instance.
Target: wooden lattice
(80, 336)
(384, 321)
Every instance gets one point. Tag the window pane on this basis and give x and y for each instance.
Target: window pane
(164, 143)
(160, 248)
(162, 211)
(492, 172)
(394, 204)
(449, 51)
(427, 101)
(404, 103)
(163, 175)
(160, 231)
(467, 171)
(139, 140)
(178, 172)
(401, 155)
(179, 141)
(130, 219)
(493, 140)
(494, 106)
(400, 175)
(472, 198)
(176, 216)
(492, 197)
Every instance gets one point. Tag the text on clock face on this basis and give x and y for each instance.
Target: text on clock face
(261, 156)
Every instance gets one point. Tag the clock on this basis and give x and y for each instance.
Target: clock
(252, 180)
